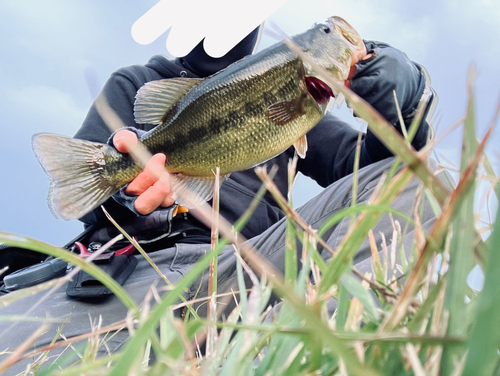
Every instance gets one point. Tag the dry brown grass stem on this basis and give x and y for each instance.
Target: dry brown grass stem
(437, 234)
(15, 356)
(271, 187)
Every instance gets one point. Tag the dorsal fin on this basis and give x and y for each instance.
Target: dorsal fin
(155, 99)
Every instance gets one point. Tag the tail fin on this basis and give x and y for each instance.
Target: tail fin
(75, 170)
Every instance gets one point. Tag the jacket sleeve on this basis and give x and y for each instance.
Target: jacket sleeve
(119, 91)
(332, 143)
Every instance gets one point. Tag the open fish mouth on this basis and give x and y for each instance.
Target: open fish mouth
(319, 90)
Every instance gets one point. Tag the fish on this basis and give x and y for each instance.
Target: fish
(238, 118)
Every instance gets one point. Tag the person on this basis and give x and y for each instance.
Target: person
(175, 243)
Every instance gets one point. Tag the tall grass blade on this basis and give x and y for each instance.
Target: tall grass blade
(290, 244)
(437, 238)
(343, 303)
(38, 246)
(385, 131)
(212, 365)
(416, 322)
(483, 343)
(462, 243)
(146, 256)
(355, 237)
(280, 345)
(212, 271)
(354, 287)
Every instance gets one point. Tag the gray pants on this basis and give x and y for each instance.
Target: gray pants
(175, 262)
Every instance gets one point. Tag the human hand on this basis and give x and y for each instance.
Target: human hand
(383, 71)
(361, 54)
(152, 191)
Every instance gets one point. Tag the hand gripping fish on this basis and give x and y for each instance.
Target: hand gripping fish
(238, 118)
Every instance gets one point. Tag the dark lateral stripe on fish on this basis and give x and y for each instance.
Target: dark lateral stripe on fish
(254, 109)
(287, 88)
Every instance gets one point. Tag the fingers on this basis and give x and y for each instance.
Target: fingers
(359, 54)
(148, 177)
(152, 191)
(156, 195)
(362, 55)
(124, 140)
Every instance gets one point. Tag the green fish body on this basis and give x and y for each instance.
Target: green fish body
(236, 119)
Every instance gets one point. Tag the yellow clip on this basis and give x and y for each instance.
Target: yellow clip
(179, 210)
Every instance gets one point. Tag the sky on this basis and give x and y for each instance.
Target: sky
(57, 54)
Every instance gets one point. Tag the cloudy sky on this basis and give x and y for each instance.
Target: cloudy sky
(57, 54)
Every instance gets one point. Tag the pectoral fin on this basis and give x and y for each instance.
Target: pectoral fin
(301, 146)
(156, 98)
(284, 112)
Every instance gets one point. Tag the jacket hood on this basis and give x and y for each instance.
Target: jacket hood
(168, 68)
(203, 65)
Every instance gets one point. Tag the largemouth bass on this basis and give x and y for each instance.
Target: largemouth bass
(238, 118)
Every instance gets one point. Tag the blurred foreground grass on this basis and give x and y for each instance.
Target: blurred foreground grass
(429, 322)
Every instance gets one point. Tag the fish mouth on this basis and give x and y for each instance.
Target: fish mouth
(319, 90)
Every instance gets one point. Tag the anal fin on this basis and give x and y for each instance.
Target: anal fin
(198, 189)
(301, 146)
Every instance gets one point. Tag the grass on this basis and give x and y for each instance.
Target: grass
(428, 323)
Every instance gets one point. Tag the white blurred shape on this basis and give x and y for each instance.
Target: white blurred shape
(223, 23)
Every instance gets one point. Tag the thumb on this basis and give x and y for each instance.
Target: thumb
(124, 140)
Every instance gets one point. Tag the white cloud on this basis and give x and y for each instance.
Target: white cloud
(44, 108)
(54, 28)
(388, 21)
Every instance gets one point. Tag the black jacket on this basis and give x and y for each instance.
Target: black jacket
(332, 142)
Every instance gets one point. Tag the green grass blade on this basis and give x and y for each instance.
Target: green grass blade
(354, 191)
(342, 308)
(307, 259)
(280, 345)
(462, 245)
(211, 367)
(290, 234)
(148, 327)
(469, 143)
(290, 252)
(94, 271)
(354, 287)
(483, 343)
(146, 257)
(416, 321)
(353, 240)
(437, 237)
